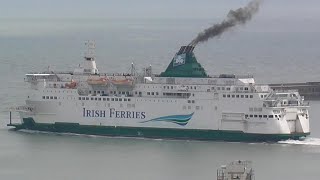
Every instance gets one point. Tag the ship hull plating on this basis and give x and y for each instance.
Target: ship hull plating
(157, 133)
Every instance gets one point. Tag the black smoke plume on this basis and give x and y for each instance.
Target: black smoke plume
(234, 17)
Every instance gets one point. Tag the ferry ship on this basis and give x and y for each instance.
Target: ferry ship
(183, 102)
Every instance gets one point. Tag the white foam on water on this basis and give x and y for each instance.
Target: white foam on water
(311, 141)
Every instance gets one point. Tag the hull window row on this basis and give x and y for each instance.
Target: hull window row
(236, 96)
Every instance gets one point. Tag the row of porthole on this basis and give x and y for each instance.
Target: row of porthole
(236, 96)
(190, 107)
(103, 99)
(261, 116)
(49, 97)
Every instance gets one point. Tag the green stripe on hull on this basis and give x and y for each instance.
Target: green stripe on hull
(165, 133)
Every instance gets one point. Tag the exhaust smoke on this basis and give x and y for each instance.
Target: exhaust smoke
(234, 17)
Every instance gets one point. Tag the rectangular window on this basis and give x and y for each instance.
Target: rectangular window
(87, 98)
(224, 95)
(116, 99)
(108, 99)
(124, 99)
(148, 93)
(79, 98)
(55, 97)
(246, 116)
(251, 115)
(92, 99)
(242, 96)
(255, 116)
(189, 101)
(246, 89)
(222, 88)
(104, 99)
(251, 96)
(233, 95)
(96, 99)
(228, 89)
(260, 116)
(237, 96)
(157, 93)
(51, 97)
(228, 95)
(112, 99)
(193, 101)
(247, 96)
(120, 99)
(129, 99)
(99, 99)
(152, 93)
(270, 116)
(265, 116)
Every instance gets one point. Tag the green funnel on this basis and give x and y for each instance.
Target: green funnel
(185, 64)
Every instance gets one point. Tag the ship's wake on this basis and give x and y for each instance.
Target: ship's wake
(311, 141)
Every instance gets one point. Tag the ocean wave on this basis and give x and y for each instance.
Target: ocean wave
(311, 141)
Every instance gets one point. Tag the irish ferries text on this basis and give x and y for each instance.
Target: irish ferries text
(113, 113)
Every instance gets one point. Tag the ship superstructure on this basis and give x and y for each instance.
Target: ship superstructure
(183, 102)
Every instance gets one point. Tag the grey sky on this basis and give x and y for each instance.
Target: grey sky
(152, 8)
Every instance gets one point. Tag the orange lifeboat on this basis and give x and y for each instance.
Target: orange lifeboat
(99, 81)
(71, 85)
(127, 82)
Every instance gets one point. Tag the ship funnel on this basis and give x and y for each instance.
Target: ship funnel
(184, 64)
(185, 49)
